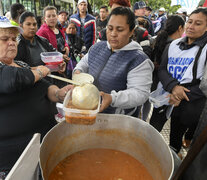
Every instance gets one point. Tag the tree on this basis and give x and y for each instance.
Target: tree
(201, 3)
(99, 3)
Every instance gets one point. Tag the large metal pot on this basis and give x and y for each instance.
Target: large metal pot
(119, 132)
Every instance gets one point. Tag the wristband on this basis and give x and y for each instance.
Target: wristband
(40, 73)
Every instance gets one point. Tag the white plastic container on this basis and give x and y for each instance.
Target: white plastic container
(78, 116)
(52, 60)
(159, 98)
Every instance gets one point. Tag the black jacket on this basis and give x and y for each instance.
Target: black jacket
(24, 53)
(24, 110)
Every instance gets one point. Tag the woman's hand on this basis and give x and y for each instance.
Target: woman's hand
(66, 49)
(179, 93)
(40, 72)
(106, 100)
(61, 93)
(77, 71)
(173, 100)
(44, 70)
(66, 58)
(62, 67)
(58, 95)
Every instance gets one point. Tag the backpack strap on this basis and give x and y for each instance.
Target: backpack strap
(195, 67)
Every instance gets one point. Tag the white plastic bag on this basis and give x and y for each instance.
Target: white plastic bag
(159, 97)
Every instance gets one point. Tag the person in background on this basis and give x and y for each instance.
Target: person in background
(121, 70)
(16, 10)
(54, 35)
(182, 12)
(76, 46)
(161, 20)
(142, 36)
(85, 23)
(113, 4)
(174, 29)
(96, 15)
(25, 99)
(8, 15)
(148, 11)
(101, 22)
(62, 19)
(139, 11)
(30, 45)
(180, 72)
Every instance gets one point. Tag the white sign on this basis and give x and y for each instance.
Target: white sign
(189, 5)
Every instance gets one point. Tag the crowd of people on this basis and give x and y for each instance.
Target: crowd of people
(129, 51)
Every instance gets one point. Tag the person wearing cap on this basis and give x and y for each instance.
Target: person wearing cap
(182, 12)
(62, 19)
(25, 99)
(139, 11)
(86, 24)
(121, 70)
(161, 20)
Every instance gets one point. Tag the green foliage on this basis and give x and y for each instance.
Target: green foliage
(201, 3)
(99, 3)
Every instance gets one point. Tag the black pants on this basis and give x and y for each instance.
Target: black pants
(185, 116)
(158, 118)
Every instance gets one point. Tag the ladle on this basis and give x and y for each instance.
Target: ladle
(64, 79)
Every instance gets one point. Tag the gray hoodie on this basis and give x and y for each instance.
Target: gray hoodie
(139, 81)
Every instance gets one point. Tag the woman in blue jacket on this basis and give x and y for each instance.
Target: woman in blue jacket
(119, 66)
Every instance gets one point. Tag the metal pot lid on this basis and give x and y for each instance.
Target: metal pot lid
(83, 78)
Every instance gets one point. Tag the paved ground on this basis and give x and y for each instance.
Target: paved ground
(165, 133)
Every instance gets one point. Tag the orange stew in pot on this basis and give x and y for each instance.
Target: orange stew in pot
(100, 164)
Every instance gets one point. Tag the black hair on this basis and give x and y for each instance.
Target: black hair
(148, 8)
(71, 22)
(24, 15)
(47, 8)
(125, 11)
(16, 10)
(202, 10)
(104, 7)
(95, 14)
(172, 24)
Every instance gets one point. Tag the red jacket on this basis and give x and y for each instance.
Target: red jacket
(48, 33)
